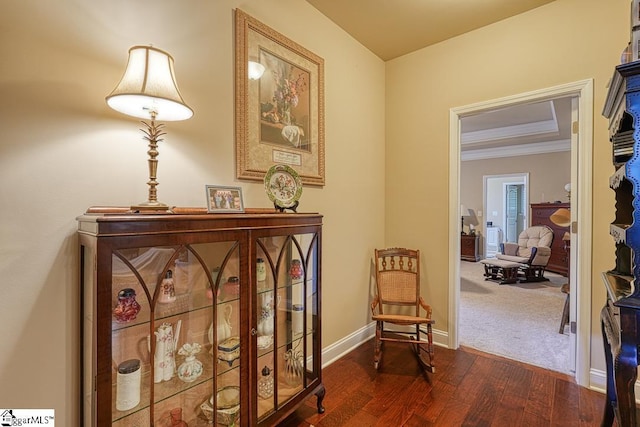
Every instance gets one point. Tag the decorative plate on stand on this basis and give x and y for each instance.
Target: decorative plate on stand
(283, 186)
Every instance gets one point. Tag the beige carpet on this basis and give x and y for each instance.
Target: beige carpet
(519, 321)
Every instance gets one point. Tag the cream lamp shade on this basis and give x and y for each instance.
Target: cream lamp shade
(149, 85)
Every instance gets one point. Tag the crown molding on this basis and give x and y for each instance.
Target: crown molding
(533, 128)
(517, 150)
(508, 132)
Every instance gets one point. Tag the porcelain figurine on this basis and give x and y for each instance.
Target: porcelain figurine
(191, 368)
(265, 323)
(295, 271)
(167, 289)
(127, 308)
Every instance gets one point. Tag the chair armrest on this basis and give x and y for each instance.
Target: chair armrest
(540, 255)
(509, 248)
(374, 304)
(426, 308)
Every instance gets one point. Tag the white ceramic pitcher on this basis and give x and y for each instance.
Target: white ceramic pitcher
(164, 359)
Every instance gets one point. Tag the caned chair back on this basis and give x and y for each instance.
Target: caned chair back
(398, 277)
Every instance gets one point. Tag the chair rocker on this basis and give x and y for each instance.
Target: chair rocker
(398, 302)
(533, 251)
(524, 261)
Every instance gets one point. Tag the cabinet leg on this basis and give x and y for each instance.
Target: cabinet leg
(607, 419)
(320, 395)
(626, 369)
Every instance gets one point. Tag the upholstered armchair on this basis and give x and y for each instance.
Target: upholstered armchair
(533, 251)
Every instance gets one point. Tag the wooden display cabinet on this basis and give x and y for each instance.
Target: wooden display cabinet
(212, 299)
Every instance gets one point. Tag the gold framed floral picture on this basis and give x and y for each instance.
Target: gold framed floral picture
(279, 104)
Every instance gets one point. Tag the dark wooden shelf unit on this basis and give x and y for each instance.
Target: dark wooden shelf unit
(620, 315)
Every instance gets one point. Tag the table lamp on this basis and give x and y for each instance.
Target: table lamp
(148, 90)
(463, 212)
(561, 217)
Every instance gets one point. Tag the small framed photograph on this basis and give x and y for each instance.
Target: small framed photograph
(224, 199)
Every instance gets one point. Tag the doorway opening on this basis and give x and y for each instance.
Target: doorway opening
(581, 213)
(505, 202)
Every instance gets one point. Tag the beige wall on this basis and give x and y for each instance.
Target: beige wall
(548, 174)
(561, 42)
(63, 150)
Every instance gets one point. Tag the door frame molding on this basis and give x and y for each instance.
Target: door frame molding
(581, 272)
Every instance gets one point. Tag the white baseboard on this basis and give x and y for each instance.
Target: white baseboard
(334, 351)
(598, 382)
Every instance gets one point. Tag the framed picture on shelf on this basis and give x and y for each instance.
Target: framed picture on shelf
(280, 109)
(224, 199)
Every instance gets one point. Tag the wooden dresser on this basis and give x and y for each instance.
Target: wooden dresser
(540, 213)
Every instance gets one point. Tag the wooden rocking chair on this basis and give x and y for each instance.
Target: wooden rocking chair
(398, 288)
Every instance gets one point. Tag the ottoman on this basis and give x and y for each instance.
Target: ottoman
(501, 271)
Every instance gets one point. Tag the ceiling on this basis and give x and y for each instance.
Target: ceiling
(392, 28)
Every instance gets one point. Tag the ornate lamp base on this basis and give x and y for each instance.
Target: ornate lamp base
(151, 206)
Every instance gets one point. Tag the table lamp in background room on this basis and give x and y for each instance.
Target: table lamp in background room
(463, 212)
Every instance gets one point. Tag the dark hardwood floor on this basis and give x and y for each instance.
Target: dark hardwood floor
(469, 388)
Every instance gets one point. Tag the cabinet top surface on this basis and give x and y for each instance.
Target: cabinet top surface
(617, 86)
(122, 221)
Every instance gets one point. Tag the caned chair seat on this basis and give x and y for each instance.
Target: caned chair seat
(398, 292)
(401, 319)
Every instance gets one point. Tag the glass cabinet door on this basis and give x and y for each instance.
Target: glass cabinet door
(175, 335)
(286, 275)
